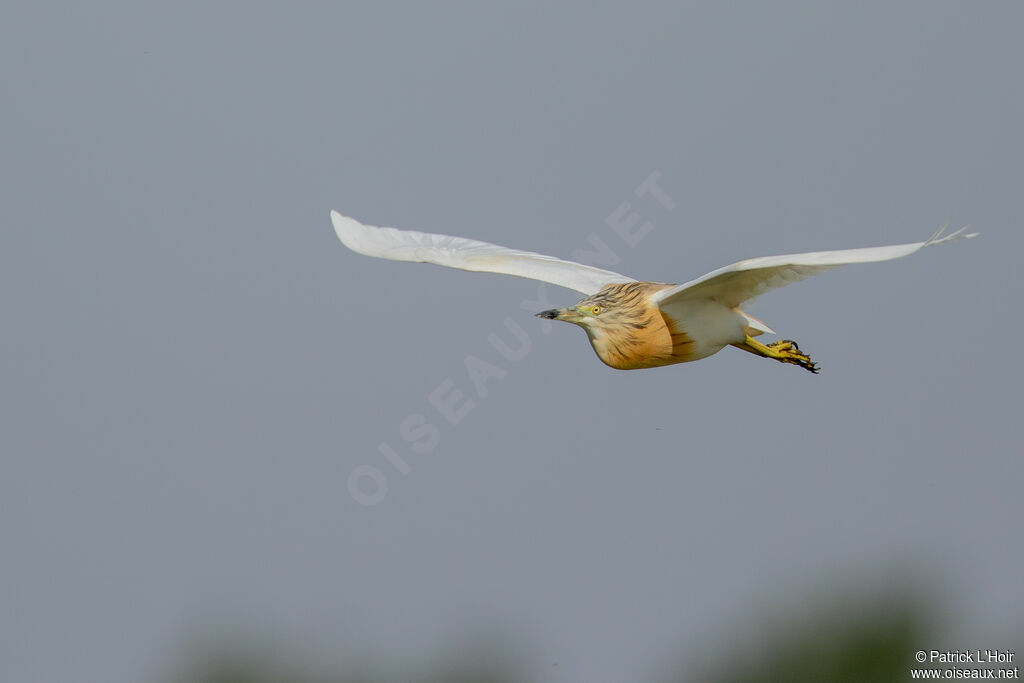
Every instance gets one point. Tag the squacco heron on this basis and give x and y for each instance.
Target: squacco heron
(634, 324)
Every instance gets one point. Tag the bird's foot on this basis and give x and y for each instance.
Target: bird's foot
(787, 351)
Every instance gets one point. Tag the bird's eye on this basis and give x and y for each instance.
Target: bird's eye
(595, 310)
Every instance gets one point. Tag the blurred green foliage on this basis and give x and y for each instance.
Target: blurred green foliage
(872, 640)
(839, 637)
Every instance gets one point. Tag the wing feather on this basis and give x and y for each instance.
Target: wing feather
(468, 254)
(740, 282)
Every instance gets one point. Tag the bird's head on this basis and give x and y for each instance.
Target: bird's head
(625, 328)
(616, 310)
(592, 314)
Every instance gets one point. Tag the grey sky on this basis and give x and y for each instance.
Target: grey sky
(192, 365)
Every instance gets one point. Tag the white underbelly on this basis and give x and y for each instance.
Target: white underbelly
(709, 324)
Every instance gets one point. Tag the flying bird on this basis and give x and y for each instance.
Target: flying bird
(633, 324)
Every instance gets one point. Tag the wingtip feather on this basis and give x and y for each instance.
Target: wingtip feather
(961, 233)
(347, 229)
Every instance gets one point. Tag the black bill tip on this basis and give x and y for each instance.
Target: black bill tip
(549, 314)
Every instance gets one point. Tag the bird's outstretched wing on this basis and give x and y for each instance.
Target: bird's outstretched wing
(745, 280)
(467, 254)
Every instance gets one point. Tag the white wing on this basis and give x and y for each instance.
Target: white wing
(467, 254)
(742, 281)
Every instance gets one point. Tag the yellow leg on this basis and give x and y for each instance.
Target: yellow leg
(784, 351)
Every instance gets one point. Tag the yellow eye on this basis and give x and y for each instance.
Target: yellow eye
(595, 310)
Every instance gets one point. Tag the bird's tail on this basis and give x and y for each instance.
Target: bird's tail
(754, 326)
